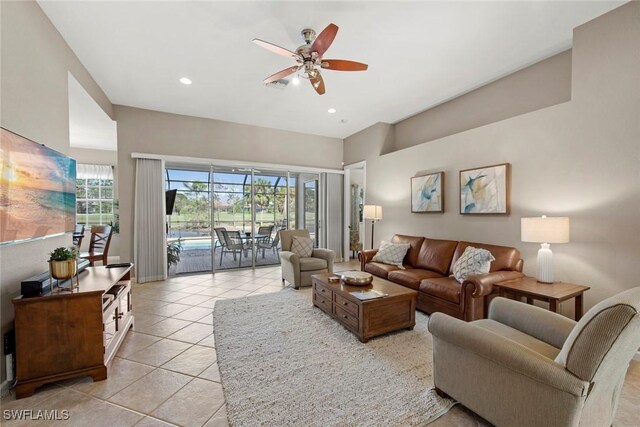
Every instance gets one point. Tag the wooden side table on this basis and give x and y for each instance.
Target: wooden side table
(553, 293)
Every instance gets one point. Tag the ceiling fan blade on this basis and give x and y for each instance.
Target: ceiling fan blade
(281, 74)
(324, 40)
(277, 49)
(317, 83)
(343, 65)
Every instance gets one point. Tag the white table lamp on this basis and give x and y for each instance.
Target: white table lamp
(374, 213)
(545, 230)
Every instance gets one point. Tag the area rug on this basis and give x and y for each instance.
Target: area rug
(285, 363)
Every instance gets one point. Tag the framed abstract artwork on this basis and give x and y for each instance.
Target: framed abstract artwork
(427, 193)
(485, 190)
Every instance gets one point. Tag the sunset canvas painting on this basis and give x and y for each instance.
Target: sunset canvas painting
(37, 190)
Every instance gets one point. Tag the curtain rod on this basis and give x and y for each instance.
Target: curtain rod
(234, 163)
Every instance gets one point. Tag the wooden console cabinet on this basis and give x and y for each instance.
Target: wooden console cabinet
(64, 334)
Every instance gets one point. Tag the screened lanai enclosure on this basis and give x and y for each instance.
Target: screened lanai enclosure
(227, 218)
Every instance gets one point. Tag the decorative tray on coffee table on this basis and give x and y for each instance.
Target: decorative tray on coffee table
(356, 278)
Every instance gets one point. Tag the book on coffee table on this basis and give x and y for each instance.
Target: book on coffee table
(367, 295)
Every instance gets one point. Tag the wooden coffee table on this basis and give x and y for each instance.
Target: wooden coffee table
(370, 318)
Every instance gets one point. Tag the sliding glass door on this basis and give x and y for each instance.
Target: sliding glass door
(189, 225)
(228, 218)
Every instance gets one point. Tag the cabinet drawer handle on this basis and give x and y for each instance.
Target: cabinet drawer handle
(345, 303)
(321, 290)
(344, 316)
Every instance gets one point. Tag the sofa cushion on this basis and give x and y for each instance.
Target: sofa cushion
(411, 277)
(391, 253)
(311, 264)
(506, 258)
(473, 261)
(379, 269)
(436, 255)
(521, 338)
(446, 288)
(415, 243)
(302, 246)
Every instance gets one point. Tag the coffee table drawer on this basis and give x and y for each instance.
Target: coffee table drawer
(322, 302)
(322, 290)
(347, 305)
(346, 317)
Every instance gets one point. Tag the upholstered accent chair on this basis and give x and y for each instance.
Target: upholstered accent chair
(525, 366)
(298, 270)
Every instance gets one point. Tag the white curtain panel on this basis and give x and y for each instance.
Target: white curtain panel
(149, 238)
(84, 171)
(332, 197)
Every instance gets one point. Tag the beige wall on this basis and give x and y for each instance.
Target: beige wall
(33, 82)
(507, 97)
(94, 157)
(146, 131)
(580, 159)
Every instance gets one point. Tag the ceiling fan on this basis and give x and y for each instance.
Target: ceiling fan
(309, 57)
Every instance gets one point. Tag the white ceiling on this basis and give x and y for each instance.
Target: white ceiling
(419, 54)
(89, 125)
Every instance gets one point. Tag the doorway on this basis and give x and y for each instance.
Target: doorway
(354, 198)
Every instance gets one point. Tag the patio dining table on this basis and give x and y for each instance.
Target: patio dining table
(247, 237)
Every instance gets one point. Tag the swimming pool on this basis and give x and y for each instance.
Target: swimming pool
(193, 244)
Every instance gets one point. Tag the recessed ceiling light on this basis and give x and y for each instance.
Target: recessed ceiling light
(295, 81)
(331, 110)
(185, 81)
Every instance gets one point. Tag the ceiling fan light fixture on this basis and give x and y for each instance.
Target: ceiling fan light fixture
(331, 110)
(309, 58)
(185, 80)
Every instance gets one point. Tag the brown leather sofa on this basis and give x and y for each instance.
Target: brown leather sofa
(428, 269)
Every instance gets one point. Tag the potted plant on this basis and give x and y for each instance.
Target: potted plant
(63, 263)
(173, 252)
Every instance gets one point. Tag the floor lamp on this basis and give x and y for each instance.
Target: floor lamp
(374, 213)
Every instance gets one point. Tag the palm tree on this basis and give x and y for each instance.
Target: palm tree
(198, 203)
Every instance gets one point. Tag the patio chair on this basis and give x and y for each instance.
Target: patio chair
(233, 243)
(264, 230)
(269, 244)
(220, 235)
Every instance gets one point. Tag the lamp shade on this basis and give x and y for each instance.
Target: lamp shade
(545, 229)
(373, 212)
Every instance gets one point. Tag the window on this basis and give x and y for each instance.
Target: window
(94, 194)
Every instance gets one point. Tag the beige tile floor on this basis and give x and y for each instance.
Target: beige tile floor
(165, 373)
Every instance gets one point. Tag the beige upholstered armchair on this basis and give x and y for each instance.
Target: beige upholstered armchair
(298, 270)
(526, 366)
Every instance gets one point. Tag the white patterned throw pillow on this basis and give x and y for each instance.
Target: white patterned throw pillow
(391, 253)
(302, 246)
(472, 261)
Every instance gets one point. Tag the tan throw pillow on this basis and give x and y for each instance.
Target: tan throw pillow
(391, 253)
(472, 261)
(302, 246)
